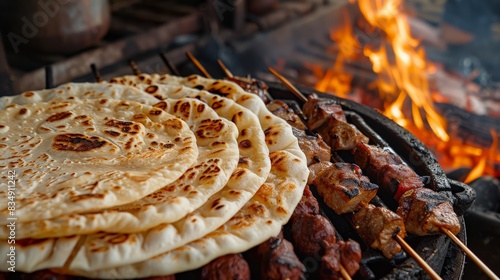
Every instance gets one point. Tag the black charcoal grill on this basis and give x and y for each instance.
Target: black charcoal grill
(441, 254)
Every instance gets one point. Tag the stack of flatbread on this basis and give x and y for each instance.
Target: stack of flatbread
(142, 176)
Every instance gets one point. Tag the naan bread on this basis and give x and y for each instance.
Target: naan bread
(106, 250)
(86, 155)
(261, 218)
(218, 156)
(279, 135)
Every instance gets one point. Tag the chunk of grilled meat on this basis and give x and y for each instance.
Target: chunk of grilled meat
(350, 256)
(387, 169)
(319, 111)
(308, 232)
(425, 212)
(308, 204)
(281, 109)
(253, 86)
(341, 135)
(344, 188)
(328, 119)
(376, 226)
(278, 260)
(317, 168)
(347, 254)
(315, 149)
(228, 267)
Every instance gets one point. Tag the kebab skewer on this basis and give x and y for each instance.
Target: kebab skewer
(411, 196)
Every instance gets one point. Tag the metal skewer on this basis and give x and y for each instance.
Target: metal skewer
(288, 85)
(198, 65)
(470, 254)
(173, 70)
(225, 69)
(134, 67)
(97, 74)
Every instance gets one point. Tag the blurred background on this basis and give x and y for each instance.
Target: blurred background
(439, 56)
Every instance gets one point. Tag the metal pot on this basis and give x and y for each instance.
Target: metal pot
(55, 26)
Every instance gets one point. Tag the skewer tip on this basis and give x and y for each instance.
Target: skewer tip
(198, 65)
(417, 258)
(288, 84)
(471, 255)
(225, 69)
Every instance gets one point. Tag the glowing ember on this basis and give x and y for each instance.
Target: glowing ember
(402, 72)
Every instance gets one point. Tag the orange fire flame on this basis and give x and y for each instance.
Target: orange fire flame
(402, 71)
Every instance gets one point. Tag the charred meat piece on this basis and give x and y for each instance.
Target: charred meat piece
(315, 149)
(371, 158)
(308, 232)
(350, 256)
(307, 204)
(281, 109)
(387, 169)
(253, 86)
(344, 188)
(341, 135)
(228, 267)
(278, 260)
(319, 111)
(376, 226)
(425, 212)
(347, 254)
(330, 262)
(327, 118)
(398, 179)
(316, 169)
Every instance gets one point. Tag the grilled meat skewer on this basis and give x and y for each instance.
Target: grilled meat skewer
(313, 147)
(438, 212)
(328, 119)
(423, 210)
(387, 169)
(429, 210)
(314, 236)
(344, 188)
(376, 226)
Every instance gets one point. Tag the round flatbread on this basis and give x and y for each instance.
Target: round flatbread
(86, 155)
(261, 218)
(106, 250)
(218, 156)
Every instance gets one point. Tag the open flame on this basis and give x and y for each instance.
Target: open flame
(402, 70)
